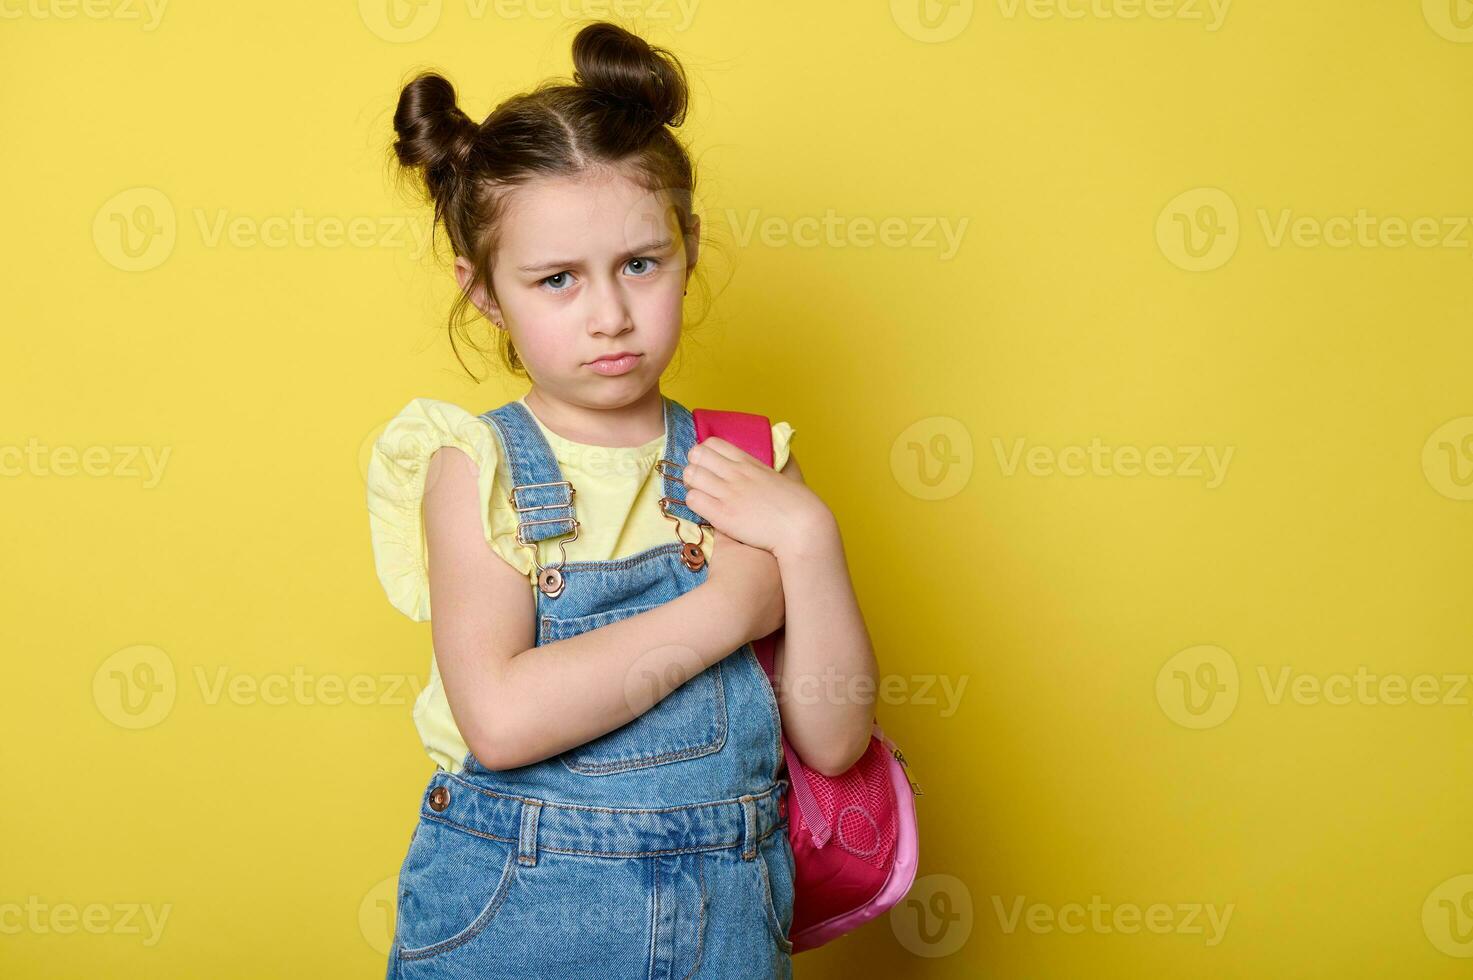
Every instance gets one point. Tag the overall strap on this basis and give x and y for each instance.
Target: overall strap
(680, 436)
(541, 497)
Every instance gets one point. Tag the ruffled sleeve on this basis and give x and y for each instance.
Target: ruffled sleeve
(397, 467)
(782, 434)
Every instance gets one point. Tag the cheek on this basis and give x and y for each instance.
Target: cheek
(660, 318)
(538, 345)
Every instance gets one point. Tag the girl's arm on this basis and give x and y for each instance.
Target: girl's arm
(516, 703)
(824, 662)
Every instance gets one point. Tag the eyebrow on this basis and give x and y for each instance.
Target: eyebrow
(654, 246)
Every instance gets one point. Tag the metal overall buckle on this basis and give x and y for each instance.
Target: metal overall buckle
(690, 551)
(549, 578)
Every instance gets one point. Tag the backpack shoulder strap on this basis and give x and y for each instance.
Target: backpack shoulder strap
(747, 431)
(752, 434)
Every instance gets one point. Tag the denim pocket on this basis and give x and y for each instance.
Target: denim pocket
(775, 862)
(687, 723)
(451, 887)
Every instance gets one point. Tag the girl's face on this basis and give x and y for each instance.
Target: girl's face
(589, 266)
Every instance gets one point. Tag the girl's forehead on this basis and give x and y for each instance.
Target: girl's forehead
(570, 217)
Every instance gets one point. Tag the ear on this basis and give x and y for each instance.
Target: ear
(464, 273)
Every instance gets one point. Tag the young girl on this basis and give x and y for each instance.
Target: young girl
(609, 793)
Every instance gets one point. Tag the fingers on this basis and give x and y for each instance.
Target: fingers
(717, 455)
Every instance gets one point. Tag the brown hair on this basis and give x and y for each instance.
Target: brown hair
(624, 97)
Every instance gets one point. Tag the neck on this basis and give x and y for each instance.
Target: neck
(615, 427)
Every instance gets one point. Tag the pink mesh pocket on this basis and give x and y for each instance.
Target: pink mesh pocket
(859, 806)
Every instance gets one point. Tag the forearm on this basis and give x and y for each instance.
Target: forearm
(554, 697)
(827, 680)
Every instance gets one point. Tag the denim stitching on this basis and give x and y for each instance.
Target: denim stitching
(647, 761)
(774, 923)
(701, 925)
(604, 809)
(696, 849)
(503, 888)
(655, 921)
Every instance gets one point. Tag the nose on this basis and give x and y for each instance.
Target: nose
(609, 313)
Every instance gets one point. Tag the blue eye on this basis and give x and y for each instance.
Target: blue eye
(648, 260)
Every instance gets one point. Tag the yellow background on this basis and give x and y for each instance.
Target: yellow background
(1074, 148)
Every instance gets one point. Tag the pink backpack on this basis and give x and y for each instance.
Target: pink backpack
(854, 838)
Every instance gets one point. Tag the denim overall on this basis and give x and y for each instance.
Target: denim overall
(658, 850)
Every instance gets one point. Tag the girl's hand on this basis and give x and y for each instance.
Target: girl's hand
(749, 500)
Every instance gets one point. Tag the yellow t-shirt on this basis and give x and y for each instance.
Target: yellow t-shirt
(617, 506)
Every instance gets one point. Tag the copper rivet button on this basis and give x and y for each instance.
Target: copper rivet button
(439, 798)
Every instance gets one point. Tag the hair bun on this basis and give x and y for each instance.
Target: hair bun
(622, 65)
(433, 131)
